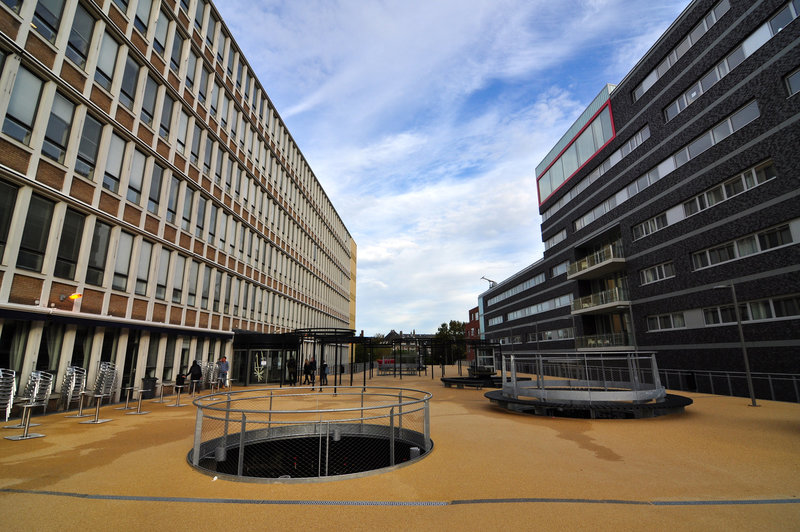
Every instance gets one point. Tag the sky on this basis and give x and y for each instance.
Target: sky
(424, 120)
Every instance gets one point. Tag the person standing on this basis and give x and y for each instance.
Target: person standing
(312, 368)
(196, 374)
(223, 370)
(306, 372)
(323, 374)
(291, 366)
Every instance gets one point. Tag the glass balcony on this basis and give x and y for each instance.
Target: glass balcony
(601, 301)
(603, 341)
(608, 259)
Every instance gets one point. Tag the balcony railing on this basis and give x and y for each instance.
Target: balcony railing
(604, 341)
(606, 297)
(606, 254)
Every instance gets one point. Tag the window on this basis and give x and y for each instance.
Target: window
(136, 179)
(194, 155)
(793, 82)
(22, 106)
(116, 152)
(70, 245)
(199, 13)
(559, 269)
(201, 217)
(191, 288)
(555, 239)
(161, 278)
(172, 200)
(142, 17)
(35, 234)
(143, 269)
(201, 91)
(665, 321)
(58, 128)
(650, 226)
(786, 307)
(183, 127)
(217, 290)
(166, 117)
(87, 150)
(149, 101)
(8, 198)
(212, 224)
(154, 198)
(177, 51)
(122, 4)
(208, 154)
(80, 36)
(206, 287)
(191, 68)
(742, 247)
(130, 78)
(773, 238)
(160, 37)
(188, 205)
(212, 30)
(106, 62)
(47, 17)
(98, 254)
(177, 279)
(123, 262)
(14, 5)
(657, 273)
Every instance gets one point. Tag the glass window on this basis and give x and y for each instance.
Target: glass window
(130, 78)
(87, 150)
(201, 90)
(191, 288)
(787, 307)
(8, 198)
(154, 197)
(212, 30)
(122, 4)
(35, 234)
(700, 145)
(143, 269)
(80, 36)
(58, 128)
(212, 224)
(714, 196)
(98, 254)
(172, 200)
(149, 101)
(190, 69)
(47, 17)
(106, 61)
(161, 278)
(160, 37)
(14, 5)
(774, 238)
(721, 254)
(793, 82)
(142, 18)
(744, 116)
(183, 129)
(177, 279)
(70, 245)
(201, 217)
(780, 20)
(22, 106)
(198, 14)
(734, 186)
(188, 205)
(136, 177)
(721, 131)
(166, 117)
(747, 246)
(116, 152)
(123, 262)
(177, 51)
(206, 287)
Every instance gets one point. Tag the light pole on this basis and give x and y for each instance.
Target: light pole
(741, 340)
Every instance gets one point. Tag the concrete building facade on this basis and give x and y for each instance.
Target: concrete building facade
(144, 168)
(674, 192)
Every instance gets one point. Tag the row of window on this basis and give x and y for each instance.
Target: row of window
(567, 333)
(136, 261)
(742, 247)
(719, 132)
(20, 121)
(623, 151)
(530, 283)
(700, 29)
(747, 180)
(543, 306)
(748, 47)
(765, 309)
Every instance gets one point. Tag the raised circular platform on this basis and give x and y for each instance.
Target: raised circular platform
(672, 404)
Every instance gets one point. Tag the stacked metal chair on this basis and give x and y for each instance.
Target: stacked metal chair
(104, 386)
(36, 393)
(72, 387)
(8, 387)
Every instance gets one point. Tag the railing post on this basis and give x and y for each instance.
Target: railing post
(400, 411)
(240, 468)
(513, 375)
(198, 434)
(391, 437)
(269, 424)
(771, 389)
(427, 425)
(327, 446)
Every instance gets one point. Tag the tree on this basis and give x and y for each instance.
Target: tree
(451, 335)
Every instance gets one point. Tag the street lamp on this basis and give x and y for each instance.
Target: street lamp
(491, 283)
(741, 340)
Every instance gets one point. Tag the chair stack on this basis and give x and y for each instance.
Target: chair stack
(8, 387)
(104, 385)
(36, 393)
(72, 387)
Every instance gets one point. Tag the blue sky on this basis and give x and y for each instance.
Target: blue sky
(424, 120)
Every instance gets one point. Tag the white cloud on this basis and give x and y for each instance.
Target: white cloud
(424, 122)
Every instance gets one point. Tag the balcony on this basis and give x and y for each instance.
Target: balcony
(604, 341)
(599, 264)
(602, 302)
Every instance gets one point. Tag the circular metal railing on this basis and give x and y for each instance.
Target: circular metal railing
(295, 432)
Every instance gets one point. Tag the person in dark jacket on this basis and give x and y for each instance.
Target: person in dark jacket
(323, 374)
(196, 376)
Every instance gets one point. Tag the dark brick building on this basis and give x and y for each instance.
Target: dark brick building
(673, 186)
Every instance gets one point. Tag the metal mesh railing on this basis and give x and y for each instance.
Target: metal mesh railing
(299, 433)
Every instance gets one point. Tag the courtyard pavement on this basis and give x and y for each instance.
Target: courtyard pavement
(721, 465)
